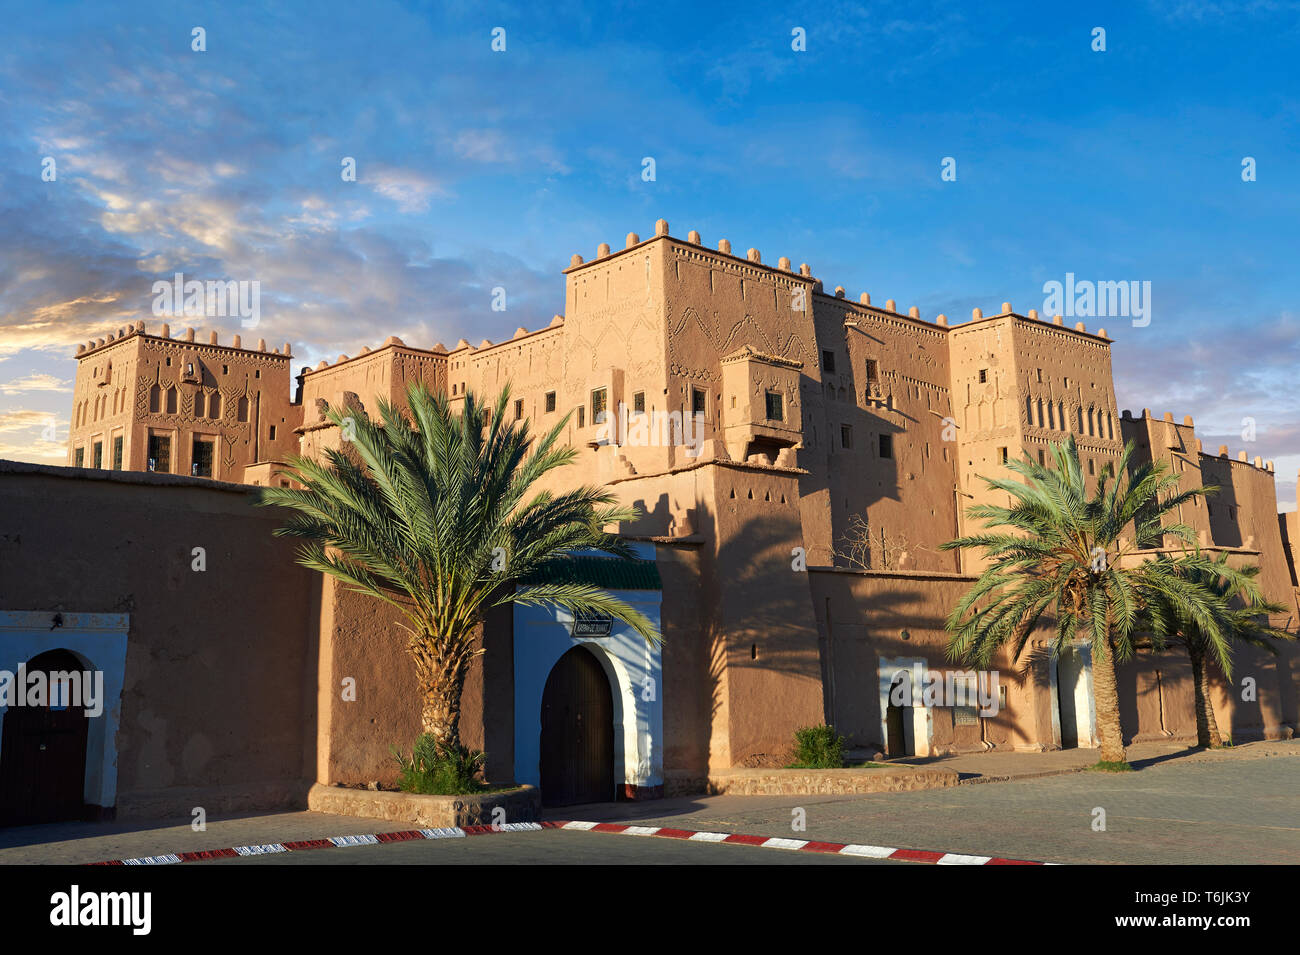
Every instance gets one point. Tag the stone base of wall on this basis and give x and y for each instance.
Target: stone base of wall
(809, 782)
(433, 812)
(213, 800)
(684, 784)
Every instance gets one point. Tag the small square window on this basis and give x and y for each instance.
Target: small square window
(984, 375)
(846, 436)
(887, 446)
(550, 401)
(775, 406)
(828, 361)
(638, 402)
(699, 401)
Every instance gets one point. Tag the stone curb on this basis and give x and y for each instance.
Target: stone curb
(690, 835)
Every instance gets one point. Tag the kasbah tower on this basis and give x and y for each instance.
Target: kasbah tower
(822, 418)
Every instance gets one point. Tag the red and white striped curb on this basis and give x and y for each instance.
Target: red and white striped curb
(334, 842)
(688, 835)
(803, 845)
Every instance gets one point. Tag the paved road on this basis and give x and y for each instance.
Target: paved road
(1174, 812)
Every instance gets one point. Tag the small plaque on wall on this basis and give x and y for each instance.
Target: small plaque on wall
(591, 627)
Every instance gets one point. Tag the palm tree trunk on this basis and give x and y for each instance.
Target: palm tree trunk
(440, 712)
(1207, 728)
(442, 680)
(1106, 700)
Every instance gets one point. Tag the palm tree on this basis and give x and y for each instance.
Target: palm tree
(1062, 553)
(432, 514)
(1243, 618)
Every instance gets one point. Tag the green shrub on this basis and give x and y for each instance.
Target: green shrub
(818, 747)
(1112, 767)
(439, 769)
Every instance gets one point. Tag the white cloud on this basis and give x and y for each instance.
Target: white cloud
(24, 419)
(34, 382)
(411, 189)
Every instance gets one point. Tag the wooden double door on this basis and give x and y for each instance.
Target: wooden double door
(577, 745)
(43, 755)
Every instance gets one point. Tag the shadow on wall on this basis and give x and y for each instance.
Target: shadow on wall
(865, 619)
(755, 643)
(868, 478)
(1246, 718)
(1155, 699)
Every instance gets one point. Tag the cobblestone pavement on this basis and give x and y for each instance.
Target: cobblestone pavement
(1205, 808)
(999, 766)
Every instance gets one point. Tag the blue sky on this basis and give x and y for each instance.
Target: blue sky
(479, 169)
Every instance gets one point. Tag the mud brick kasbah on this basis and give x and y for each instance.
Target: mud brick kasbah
(755, 419)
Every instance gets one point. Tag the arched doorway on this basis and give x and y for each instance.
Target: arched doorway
(577, 744)
(43, 754)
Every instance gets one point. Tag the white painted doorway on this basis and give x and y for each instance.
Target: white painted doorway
(1072, 698)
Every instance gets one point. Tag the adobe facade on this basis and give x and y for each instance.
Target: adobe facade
(177, 406)
(797, 456)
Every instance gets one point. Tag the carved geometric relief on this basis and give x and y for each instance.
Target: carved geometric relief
(142, 395)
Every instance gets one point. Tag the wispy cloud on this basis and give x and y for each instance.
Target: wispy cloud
(410, 189)
(34, 382)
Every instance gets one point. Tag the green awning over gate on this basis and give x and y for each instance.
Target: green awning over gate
(610, 573)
